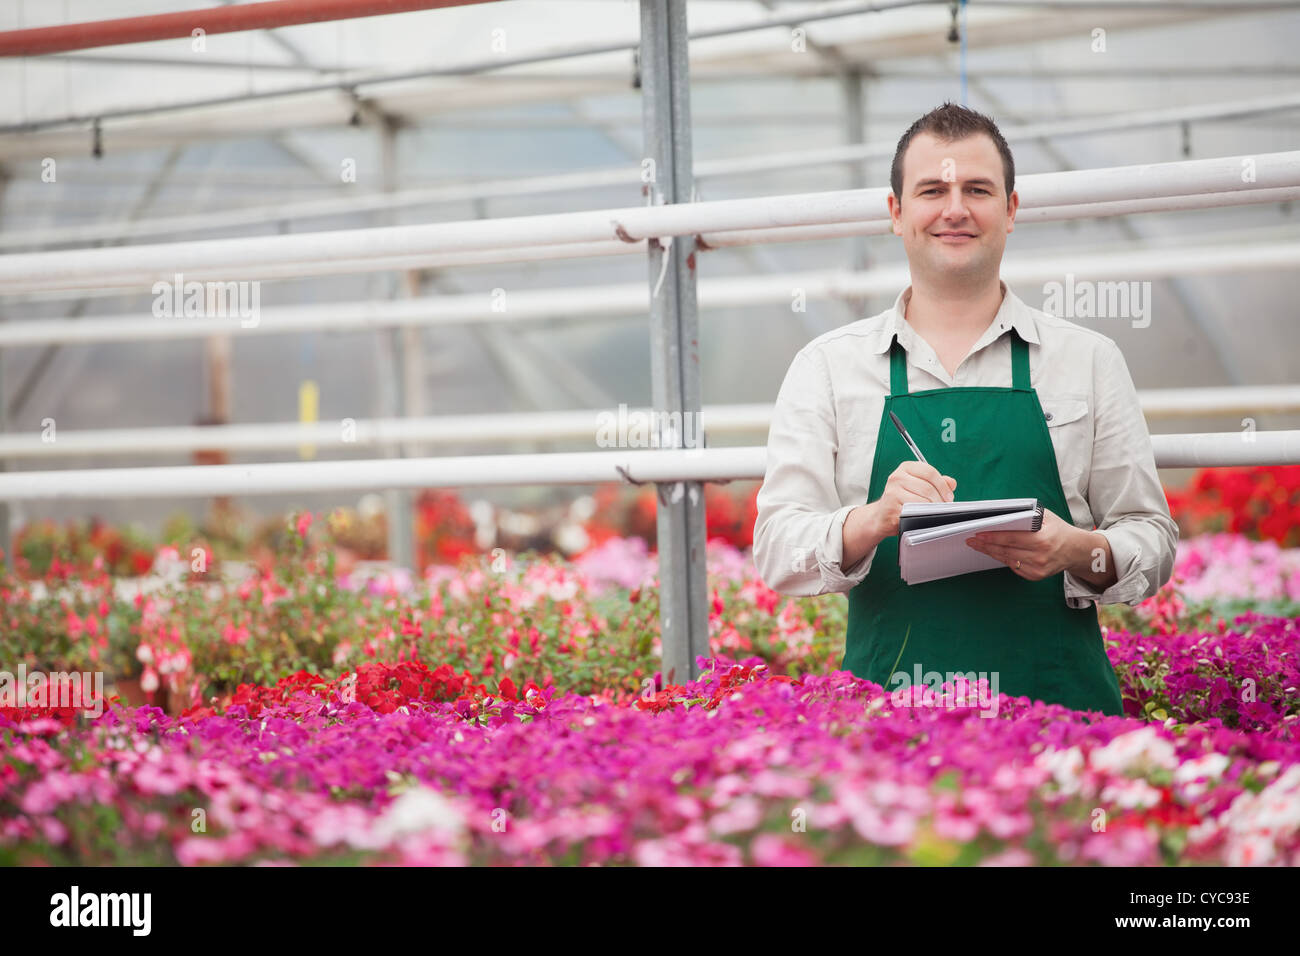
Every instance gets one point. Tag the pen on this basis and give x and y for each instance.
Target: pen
(908, 438)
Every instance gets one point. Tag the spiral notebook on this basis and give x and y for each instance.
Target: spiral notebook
(932, 537)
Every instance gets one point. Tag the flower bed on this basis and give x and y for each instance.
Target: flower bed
(1261, 502)
(740, 767)
(513, 712)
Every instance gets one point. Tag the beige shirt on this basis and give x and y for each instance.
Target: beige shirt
(822, 443)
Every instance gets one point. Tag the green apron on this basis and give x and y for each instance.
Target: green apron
(986, 621)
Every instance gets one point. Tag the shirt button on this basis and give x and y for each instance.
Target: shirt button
(1049, 416)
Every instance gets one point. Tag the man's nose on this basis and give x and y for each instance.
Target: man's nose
(955, 208)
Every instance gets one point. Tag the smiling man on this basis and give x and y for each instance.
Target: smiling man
(1004, 401)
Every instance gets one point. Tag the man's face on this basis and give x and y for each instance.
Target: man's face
(954, 214)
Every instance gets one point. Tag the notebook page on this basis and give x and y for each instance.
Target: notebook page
(923, 509)
(1017, 521)
(944, 552)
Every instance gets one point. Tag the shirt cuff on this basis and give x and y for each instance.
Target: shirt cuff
(1130, 586)
(831, 552)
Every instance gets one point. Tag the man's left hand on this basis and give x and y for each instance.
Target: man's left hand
(1051, 549)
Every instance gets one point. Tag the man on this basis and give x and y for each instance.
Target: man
(1004, 401)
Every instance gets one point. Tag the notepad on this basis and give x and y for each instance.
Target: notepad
(932, 537)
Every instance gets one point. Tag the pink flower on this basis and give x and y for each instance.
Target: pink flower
(1014, 856)
(772, 850)
(743, 814)
(235, 635)
(156, 777)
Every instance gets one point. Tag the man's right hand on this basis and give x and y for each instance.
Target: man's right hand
(867, 525)
(911, 481)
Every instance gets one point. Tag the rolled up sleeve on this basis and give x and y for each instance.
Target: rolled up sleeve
(1124, 493)
(799, 530)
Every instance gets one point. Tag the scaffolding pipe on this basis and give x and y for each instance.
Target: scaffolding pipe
(673, 314)
(1099, 210)
(632, 299)
(359, 249)
(663, 465)
(266, 15)
(660, 466)
(579, 425)
(708, 240)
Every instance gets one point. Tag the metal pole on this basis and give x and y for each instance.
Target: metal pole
(855, 132)
(266, 15)
(674, 337)
(399, 503)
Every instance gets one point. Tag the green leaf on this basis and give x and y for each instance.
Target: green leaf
(949, 780)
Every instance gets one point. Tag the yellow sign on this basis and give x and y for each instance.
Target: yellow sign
(308, 412)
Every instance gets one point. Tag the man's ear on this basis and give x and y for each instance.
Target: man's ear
(895, 212)
(1013, 203)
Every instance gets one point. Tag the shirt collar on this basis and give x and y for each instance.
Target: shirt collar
(1013, 314)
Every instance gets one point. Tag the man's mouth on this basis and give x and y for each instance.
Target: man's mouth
(955, 237)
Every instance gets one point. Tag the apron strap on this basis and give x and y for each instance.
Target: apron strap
(897, 368)
(898, 364)
(1019, 361)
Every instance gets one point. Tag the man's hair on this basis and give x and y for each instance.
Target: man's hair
(949, 123)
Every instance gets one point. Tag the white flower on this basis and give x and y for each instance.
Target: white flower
(1065, 765)
(1251, 851)
(418, 810)
(1139, 750)
(1131, 793)
(1209, 765)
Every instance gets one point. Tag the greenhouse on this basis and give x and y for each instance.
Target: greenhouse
(650, 433)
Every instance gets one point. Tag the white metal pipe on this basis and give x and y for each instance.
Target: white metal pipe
(631, 299)
(249, 258)
(1226, 449)
(267, 214)
(696, 464)
(1248, 400)
(579, 425)
(612, 176)
(142, 280)
(879, 225)
(866, 227)
(702, 464)
(582, 424)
